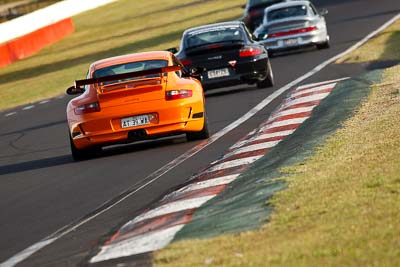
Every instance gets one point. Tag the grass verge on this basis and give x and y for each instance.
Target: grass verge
(341, 206)
(122, 27)
(383, 47)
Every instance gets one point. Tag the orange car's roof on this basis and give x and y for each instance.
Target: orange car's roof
(129, 58)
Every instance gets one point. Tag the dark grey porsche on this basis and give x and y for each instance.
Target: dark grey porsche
(224, 54)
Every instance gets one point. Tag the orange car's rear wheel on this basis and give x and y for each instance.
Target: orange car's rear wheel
(203, 134)
(82, 154)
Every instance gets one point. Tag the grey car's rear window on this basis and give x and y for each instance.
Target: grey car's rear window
(287, 12)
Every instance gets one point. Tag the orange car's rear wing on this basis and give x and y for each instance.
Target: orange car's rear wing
(127, 75)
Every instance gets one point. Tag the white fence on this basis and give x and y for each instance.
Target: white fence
(44, 17)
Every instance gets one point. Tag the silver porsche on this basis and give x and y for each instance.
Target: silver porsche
(291, 25)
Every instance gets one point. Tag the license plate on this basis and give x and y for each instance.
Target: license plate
(291, 42)
(135, 121)
(217, 73)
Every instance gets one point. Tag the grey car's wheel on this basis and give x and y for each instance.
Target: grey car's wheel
(203, 134)
(271, 54)
(269, 80)
(82, 154)
(324, 45)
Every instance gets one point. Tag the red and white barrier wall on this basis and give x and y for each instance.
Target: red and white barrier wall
(26, 35)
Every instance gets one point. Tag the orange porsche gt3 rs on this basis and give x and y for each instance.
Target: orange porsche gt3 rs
(134, 97)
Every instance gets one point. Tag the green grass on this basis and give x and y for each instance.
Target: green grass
(3, 2)
(385, 46)
(341, 206)
(122, 27)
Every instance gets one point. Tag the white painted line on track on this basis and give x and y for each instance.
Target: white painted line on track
(157, 174)
(260, 137)
(27, 252)
(172, 207)
(272, 135)
(305, 99)
(10, 114)
(207, 183)
(313, 90)
(28, 107)
(232, 163)
(250, 148)
(284, 123)
(252, 132)
(319, 83)
(292, 111)
(137, 245)
(44, 102)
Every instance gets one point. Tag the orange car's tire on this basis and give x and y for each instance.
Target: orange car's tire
(203, 134)
(82, 154)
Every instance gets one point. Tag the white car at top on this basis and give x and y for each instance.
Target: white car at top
(292, 25)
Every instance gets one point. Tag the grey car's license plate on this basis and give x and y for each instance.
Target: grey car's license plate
(289, 42)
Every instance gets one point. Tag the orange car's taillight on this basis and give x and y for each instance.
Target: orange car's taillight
(87, 108)
(178, 94)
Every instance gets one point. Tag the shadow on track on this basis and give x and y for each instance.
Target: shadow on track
(35, 164)
(107, 152)
(142, 146)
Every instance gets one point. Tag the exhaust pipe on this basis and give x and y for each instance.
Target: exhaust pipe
(137, 134)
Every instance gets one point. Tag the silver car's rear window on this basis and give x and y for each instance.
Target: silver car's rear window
(287, 12)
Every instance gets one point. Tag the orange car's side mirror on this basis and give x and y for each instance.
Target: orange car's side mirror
(75, 90)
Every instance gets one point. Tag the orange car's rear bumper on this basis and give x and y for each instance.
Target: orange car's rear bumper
(104, 127)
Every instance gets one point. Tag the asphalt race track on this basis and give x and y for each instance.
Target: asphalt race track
(43, 190)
